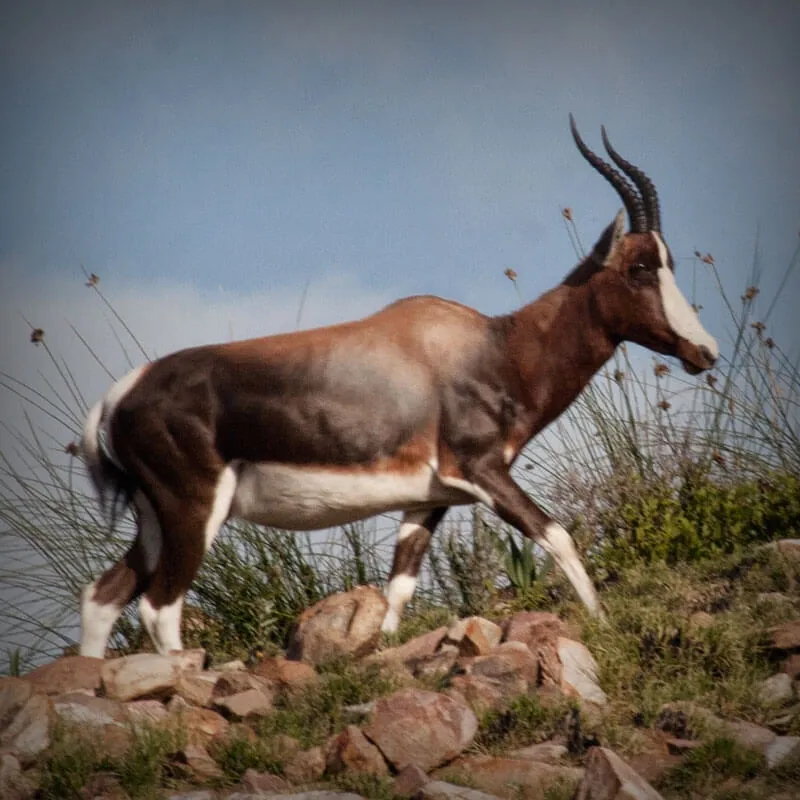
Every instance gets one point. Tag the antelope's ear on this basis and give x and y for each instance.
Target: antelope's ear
(606, 246)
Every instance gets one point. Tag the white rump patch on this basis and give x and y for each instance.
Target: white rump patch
(223, 497)
(681, 316)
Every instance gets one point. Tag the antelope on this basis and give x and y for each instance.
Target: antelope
(419, 407)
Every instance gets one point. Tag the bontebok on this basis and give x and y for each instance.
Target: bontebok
(419, 407)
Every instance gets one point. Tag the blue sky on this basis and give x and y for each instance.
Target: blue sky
(208, 160)
(212, 160)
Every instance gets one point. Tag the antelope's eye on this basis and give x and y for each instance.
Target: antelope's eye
(638, 267)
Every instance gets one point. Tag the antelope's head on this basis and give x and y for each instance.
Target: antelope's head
(636, 293)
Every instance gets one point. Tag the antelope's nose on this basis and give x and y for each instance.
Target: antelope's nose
(708, 355)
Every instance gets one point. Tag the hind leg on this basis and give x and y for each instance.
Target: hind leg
(190, 527)
(104, 599)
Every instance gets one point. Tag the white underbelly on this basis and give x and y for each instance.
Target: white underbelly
(306, 498)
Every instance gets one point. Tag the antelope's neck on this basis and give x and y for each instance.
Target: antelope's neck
(557, 344)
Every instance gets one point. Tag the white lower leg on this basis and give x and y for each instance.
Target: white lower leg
(399, 591)
(97, 620)
(559, 544)
(162, 624)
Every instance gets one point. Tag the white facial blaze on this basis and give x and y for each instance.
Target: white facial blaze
(681, 316)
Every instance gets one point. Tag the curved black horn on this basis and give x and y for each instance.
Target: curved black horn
(630, 197)
(643, 184)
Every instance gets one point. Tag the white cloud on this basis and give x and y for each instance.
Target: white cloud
(163, 316)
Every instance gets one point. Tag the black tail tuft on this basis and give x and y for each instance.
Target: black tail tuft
(115, 488)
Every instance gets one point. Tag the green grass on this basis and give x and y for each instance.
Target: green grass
(652, 650)
(142, 771)
(704, 769)
(313, 713)
(528, 719)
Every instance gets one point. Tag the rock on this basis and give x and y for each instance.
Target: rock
(306, 766)
(507, 663)
(232, 666)
(548, 752)
(68, 674)
(197, 687)
(510, 777)
(608, 777)
(236, 731)
(28, 733)
(442, 790)
(231, 683)
(434, 665)
(474, 636)
(320, 794)
(199, 762)
(776, 690)
(679, 747)
(140, 675)
(103, 786)
(791, 666)
(539, 630)
(14, 693)
(786, 637)
(480, 694)
(408, 653)
(199, 794)
(285, 673)
(13, 784)
(202, 725)
(192, 660)
(253, 781)
(351, 751)
(250, 703)
(418, 727)
(687, 720)
(781, 747)
(146, 712)
(409, 780)
(788, 547)
(105, 720)
(748, 734)
(355, 714)
(344, 624)
(579, 672)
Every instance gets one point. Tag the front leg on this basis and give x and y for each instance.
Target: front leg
(412, 543)
(512, 505)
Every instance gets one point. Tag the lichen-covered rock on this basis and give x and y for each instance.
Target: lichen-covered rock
(351, 751)
(474, 636)
(27, 734)
(344, 624)
(608, 777)
(140, 675)
(511, 777)
(579, 672)
(423, 728)
(68, 674)
(251, 703)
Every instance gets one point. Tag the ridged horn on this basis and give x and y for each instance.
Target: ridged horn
(645, 186)
(630, 198)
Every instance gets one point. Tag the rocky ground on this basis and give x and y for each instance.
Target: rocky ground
(509, 708)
